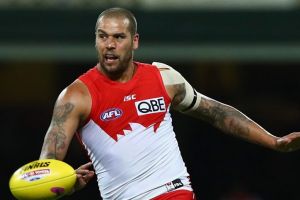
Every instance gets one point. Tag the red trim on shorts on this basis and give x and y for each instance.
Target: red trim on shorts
(177, 195)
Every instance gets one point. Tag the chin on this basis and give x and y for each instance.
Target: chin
(110, 69)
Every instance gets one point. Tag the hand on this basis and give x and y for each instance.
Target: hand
(288, 143)
(84, 175)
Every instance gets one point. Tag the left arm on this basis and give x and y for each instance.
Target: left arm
(230, 120)
(224, 117)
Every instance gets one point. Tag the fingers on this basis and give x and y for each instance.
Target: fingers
(84, 175)
(83, 179)
(86, 165)
(283, 141)
(81, 183)
(289, 142)
(282, 144)
(84, 172)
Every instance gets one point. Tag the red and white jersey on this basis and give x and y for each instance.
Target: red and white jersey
(129, 135)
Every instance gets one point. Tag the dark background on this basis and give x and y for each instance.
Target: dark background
(248, 59)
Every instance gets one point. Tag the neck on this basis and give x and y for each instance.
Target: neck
(127, 74)
(123, 76)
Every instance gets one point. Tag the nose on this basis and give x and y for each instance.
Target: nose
(111, 44)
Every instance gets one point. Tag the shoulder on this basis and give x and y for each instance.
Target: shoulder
(77, 89)
(173, 81)
(162, 66)
(183, 95)
(169, 75)
(77, 95)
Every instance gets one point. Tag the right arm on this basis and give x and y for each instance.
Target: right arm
(71, 109)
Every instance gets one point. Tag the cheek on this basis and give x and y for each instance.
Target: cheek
(99, 48)
(126, 48)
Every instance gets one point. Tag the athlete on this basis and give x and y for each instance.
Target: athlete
(120, 111)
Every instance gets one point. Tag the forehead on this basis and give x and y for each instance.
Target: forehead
(113, 24)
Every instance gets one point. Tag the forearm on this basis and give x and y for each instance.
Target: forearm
(237, 124)
(54, 146)
(59, 134)
(233, 122)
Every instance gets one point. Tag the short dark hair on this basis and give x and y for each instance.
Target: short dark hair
(120, 12)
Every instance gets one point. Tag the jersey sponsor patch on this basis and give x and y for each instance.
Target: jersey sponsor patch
(174, 185)
(111, 114)
(149, 106)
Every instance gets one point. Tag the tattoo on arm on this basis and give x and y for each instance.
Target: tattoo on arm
(180, 93)
(224, 117)
(56, 136)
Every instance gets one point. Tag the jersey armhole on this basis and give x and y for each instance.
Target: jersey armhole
(93, 95)
(162, 83)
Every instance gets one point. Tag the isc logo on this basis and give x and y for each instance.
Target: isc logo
(111, 114)
(149, 106)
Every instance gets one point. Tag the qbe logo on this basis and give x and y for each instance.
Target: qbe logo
(148, 106)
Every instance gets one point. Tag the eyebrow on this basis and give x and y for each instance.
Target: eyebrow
(100, 30)
(115, 34)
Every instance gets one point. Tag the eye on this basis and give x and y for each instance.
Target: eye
(102, 36)
(120, 37)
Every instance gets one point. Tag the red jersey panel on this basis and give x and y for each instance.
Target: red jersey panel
(115, 105)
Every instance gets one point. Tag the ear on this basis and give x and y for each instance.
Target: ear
(136, 41)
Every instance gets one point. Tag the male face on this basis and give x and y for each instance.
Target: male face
(115, 45)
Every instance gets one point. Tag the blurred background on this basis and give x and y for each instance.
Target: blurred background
(245, 53)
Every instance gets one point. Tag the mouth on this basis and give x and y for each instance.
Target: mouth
(110, 57)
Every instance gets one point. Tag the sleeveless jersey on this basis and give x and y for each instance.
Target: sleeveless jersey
(129, 135)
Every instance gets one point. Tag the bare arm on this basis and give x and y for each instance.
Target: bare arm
(226, 118)
(222, 116)
(56, 141)
(232, 121)
(70, 110)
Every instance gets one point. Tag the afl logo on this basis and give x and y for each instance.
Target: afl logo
(111, 114)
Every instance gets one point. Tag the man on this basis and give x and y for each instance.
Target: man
(120, 109)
